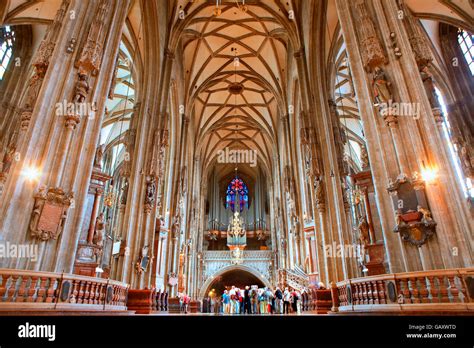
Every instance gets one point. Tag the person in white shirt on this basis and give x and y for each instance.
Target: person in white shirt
(232, 293)
(286, 301)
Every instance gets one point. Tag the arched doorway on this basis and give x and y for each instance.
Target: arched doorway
(238, 276)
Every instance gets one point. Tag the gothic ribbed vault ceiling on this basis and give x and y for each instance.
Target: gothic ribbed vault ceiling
(235, 71)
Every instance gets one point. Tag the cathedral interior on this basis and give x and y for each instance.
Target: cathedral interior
(154, 148)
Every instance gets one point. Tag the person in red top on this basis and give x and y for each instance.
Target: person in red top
(186, 300)
(241, 303)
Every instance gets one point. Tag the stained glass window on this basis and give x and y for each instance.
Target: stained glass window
(7, 37)
(237, 194)
(466, 42)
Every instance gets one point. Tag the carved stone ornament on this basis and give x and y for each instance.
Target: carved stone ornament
(212, 235)
(150, 194)
(172, 279)
(49, 213)
(418, 42)
(319, 192)
(413, 218)
(45, 51)
(373, 54)
(91, 55)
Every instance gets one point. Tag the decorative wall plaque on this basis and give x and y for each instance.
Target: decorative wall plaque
(413, 217)
(49, 213)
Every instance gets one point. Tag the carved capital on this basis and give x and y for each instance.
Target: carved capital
(43, 55)
(25, 119)
(72, 121)
(147, 209)
(91, 57)
(373, 54)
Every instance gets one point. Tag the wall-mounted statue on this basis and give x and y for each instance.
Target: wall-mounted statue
(467, 161)
(8, 158)
(363, 228)
(99, 156)
(81, 89)
(318, 190)
(381, 87)
(123, 199)
(150, 191)
(364, 158)
(99, 231)
(143, 260)
(430, 90)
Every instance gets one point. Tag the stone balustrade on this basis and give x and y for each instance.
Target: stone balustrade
(437, 291)
(24, 290)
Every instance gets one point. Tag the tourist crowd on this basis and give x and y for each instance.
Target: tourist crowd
(254, 300)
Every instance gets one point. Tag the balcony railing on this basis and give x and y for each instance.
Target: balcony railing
(32, 291)
(215, 225)
(249, 255)
(437, 290)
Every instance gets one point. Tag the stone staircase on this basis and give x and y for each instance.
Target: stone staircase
(295, 278)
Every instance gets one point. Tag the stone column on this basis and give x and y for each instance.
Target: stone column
(95, 64)
(41, 132)
(40, 65)
(445, 204)
(371, 54)
(329, 271)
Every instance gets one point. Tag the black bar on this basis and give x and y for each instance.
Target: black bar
(192, 330)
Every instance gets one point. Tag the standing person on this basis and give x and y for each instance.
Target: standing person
(213, 304)
(294, 299)
(237, 301)
(218, 305)
(298, 302)
(278, 301)
(254, 300)
(181, 302)
(262, 300)
(232, 299)
(241, 301)
(186, 300)
(247, 308)
(271, 301)
(206, 303)
(225, 301)
(208, 307)
(286, 301)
